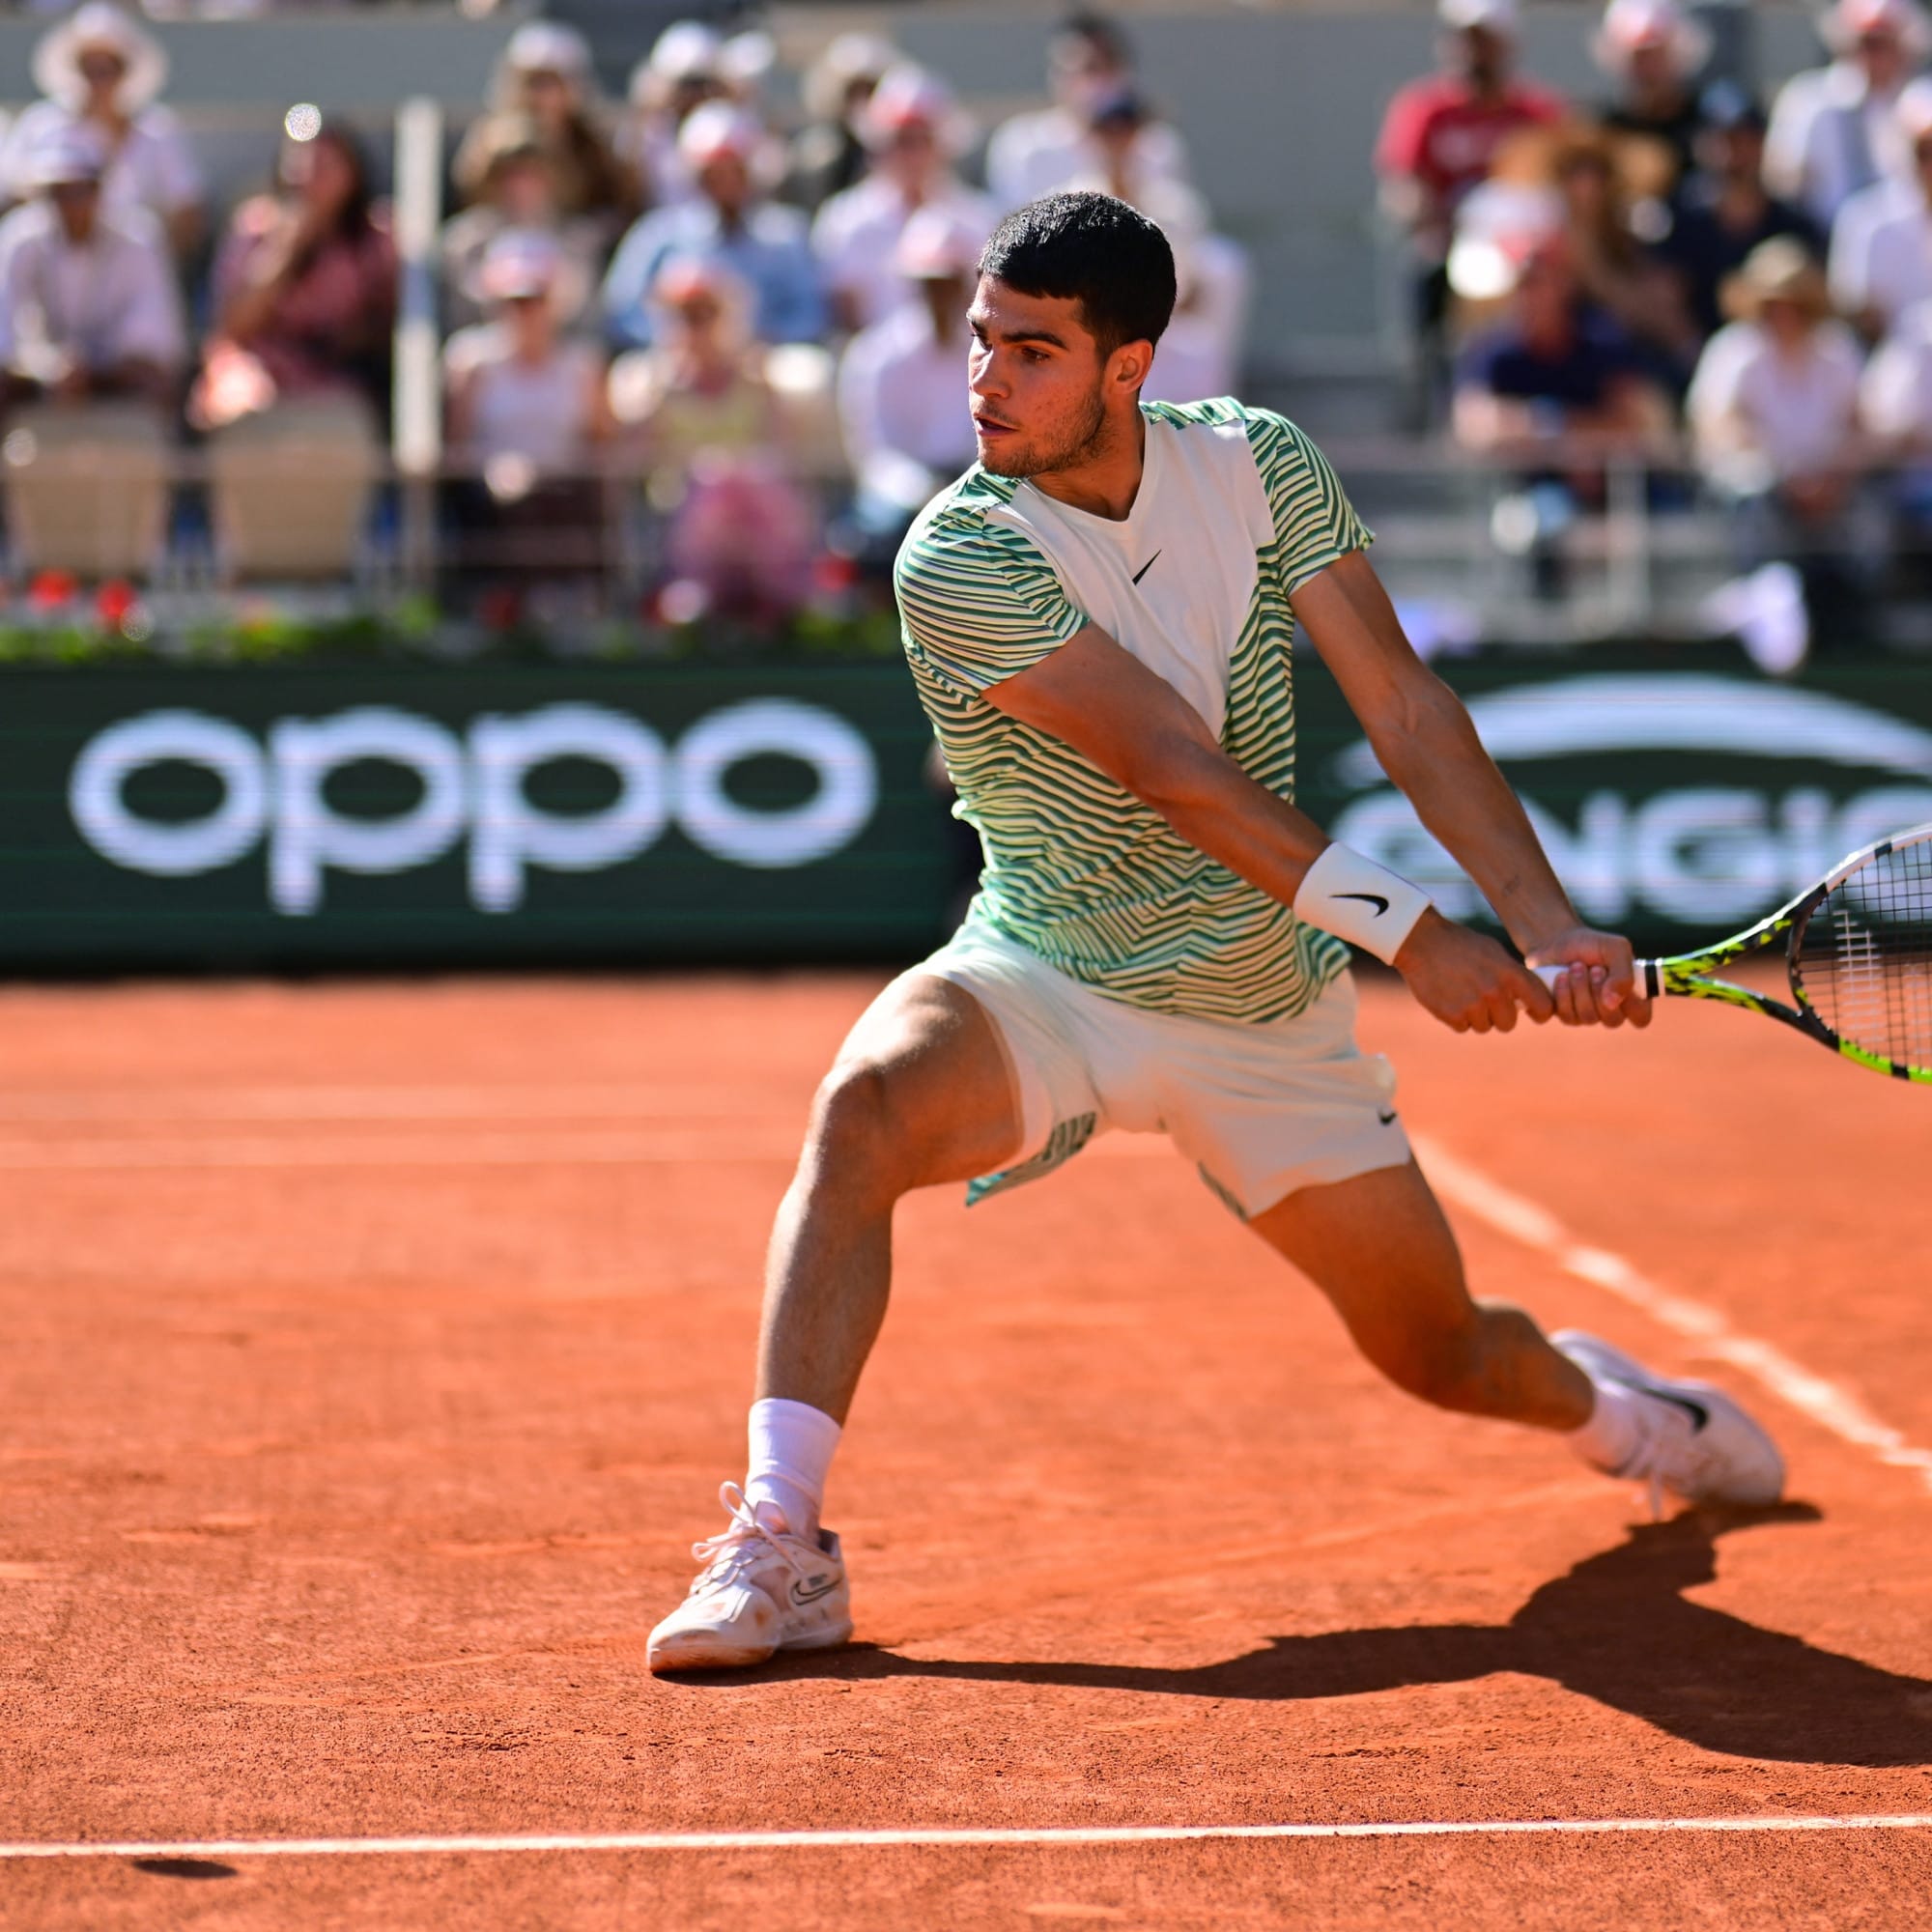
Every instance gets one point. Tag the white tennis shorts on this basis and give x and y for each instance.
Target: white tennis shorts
(1261, 1110)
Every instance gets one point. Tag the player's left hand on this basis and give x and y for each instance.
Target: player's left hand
(1600, 989)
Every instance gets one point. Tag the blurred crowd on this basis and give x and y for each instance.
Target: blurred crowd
(1677, 267)
(760, 322)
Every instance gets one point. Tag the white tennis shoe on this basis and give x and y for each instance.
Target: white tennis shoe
(761, 1590)
(1697, 1443)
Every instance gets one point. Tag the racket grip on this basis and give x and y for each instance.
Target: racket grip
(1646, 977)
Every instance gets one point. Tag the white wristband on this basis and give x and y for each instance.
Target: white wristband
(1360, 901)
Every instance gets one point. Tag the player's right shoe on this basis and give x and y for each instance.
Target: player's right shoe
(1697, 1443)
(761, 1590)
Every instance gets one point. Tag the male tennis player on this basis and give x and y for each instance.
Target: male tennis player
(1098, 617)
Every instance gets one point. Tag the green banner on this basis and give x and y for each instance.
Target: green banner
(1680, 794)
(424, 814)
(415, 814)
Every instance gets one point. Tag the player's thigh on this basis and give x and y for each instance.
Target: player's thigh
(1378, 1246)
(922, 1090)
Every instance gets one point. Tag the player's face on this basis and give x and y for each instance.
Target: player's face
(1036, 377)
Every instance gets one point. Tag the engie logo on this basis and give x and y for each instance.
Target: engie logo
(1705, 856)
(476, 784)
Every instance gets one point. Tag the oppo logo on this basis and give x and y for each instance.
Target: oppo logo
(475, 785)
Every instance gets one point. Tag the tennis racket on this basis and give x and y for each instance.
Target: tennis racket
(1859, 949)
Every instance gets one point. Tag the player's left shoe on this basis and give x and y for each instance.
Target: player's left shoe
(1698, 1443)
(761, 1590)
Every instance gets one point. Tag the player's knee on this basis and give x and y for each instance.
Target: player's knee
(852, 1130)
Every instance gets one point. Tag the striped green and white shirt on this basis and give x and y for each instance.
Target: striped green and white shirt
(1236, 509)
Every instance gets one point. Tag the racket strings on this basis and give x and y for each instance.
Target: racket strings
(1865, 963)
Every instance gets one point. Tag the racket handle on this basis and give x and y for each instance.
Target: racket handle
(1646, 977)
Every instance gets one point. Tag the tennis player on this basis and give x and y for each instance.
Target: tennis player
(1098, 617)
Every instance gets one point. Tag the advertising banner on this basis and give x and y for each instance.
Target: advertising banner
(1680, 795)
(419, 814)
(405, 814)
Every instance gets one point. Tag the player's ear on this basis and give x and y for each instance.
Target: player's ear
(1131, 364)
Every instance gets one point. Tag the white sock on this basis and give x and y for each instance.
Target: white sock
(793, 1446)
(1615, 1430)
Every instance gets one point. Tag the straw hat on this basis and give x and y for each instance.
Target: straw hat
(851, 57)
(1851, 20)
(1780, 270)
(1629, 24)
(57, 58)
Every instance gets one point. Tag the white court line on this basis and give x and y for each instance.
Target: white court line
(463, 1150)
(1075, 1834)
(1821, 1402)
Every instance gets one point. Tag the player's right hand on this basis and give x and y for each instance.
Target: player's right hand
(1467, 982)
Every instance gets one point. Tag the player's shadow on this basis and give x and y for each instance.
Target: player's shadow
(1617, 1628)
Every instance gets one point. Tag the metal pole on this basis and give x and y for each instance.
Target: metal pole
(417, 400)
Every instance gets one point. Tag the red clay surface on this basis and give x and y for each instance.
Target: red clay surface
(372, 1353)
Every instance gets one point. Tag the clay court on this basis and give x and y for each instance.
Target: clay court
(374, 1351)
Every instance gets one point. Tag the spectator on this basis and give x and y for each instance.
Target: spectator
(683, 70)
(1202, 348)
(1832, 130)
(98, 68)
(914, 133)
(544, 78)
(1773, 413)
(903, 398)
(1551, 389)
(1042, 152)
(713, 444)
(304, 286)
(1441, 135)
(1591, 174)
(1881, 261)
(1722, 211)
(729, 221)
(830, 153)
(88, 305)
(1654, 52)
(526, 411)
(1895, 411)
(517, 192)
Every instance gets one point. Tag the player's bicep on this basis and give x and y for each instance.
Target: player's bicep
(1118, 714)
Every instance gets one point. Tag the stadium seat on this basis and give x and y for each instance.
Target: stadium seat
(290, 489)
(87, 489)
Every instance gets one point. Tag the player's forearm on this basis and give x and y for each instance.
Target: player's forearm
(1219, 809)
(1460, 796)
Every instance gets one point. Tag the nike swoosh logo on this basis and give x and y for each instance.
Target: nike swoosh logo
(1386, 1115)
(1700, 1416)
(1375, 900)
(1147, 566)
(822, 1587)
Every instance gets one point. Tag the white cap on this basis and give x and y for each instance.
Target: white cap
(685, 50)
(519, 262)
(70, 153)
(1629, 24)
(937, 244)
(721, 127)
(908, 95)
(546, 46)
(1851, 19)
(1914, 109)
(1498, 17)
